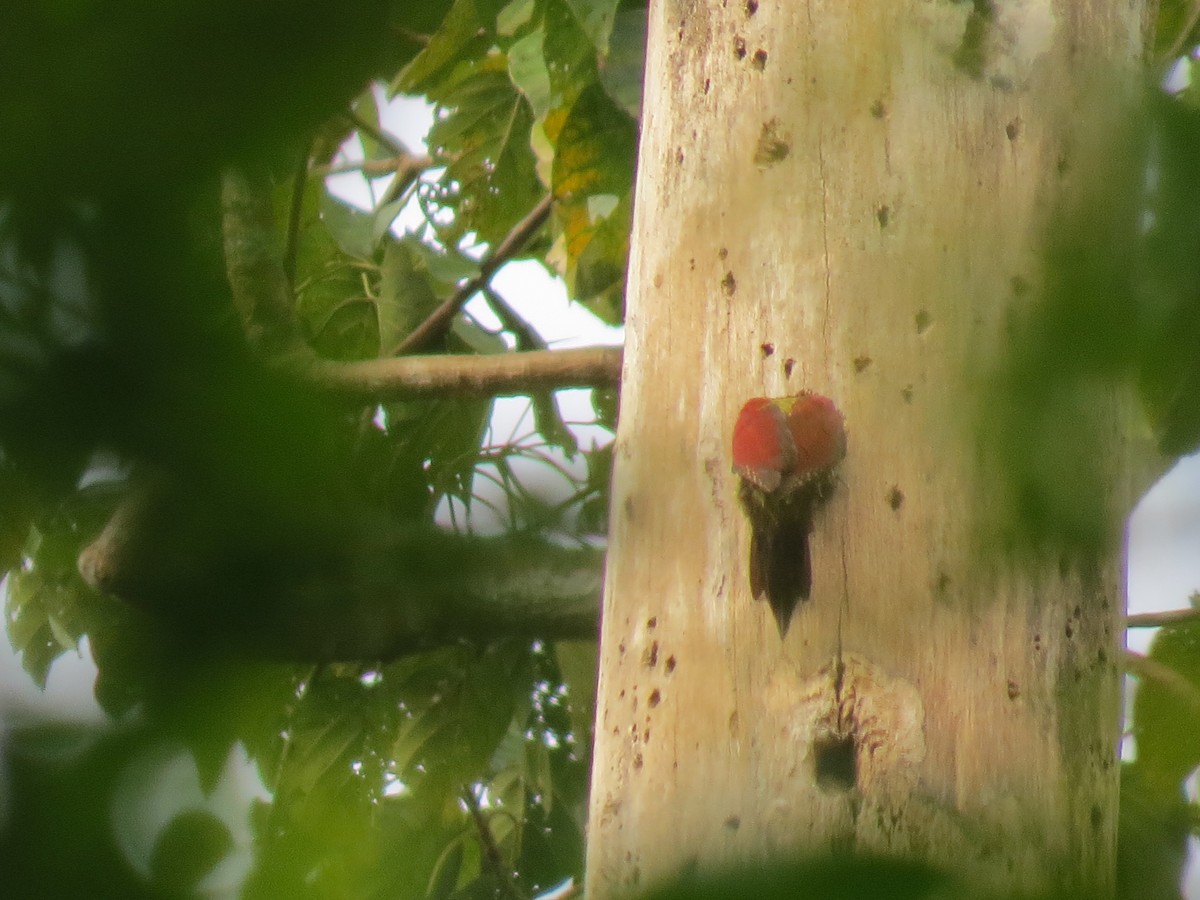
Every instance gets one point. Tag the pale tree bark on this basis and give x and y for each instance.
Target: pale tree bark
(849, 198)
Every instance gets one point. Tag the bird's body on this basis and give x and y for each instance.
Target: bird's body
(786, 451)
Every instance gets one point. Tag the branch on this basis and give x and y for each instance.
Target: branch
(1158, 619)
(405, 166)
(1150, 669)
(527, 338)
(473, 376)
(377, 134)
(492, 856)
(1188, 27)
(364, 592)
(439, 320)
(291, 246)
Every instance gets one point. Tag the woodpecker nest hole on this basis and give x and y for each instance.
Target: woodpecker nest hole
(860, 728)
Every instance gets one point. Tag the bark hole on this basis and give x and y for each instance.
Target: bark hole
(862, 729)
(836, 764)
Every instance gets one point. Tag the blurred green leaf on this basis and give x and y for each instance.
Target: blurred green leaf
(593, 178)
(510, 19)
(187, 850)
(840, 878)
(575, 30)
(1171, 20)
(577, 660)
(595, 18)
(1165, 714)
(447, 266)
(1152, 839)
(451, 434)
(1069, 349)
(367, 109)
(331, 301)
(1168, 311)
(405, 296)
(351, 228)
(604, 404)
(351, 331)
(527, 68)
(59, 839)
(621, 72)
(463, 34)
(28, 615)
(550, 425)
(48, 607)
(17, 510)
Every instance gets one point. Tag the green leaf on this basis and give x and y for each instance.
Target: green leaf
(1166, 329)
(477, 338)
(570, 51)
(47, 603)
(29, 629)
(322, 752)
(539, 777)
(513, 16)
(17, 509)
(577, 660)
(592, 182)
(595, 18)
(481, 135)
(351, 228)
(451, 435)
(1165, 714)
(367, 109)
(1152, 839)
(405, 296)
(1172, 18)
(550, 425)
(447, 266)
(415, 735)
(622, 72)
(350, 332)
(445, 878)
(385, 214)
(457, 730)
(335, 314)
(527, 69)
(458, 38)
(604, 405)
(187, 850)
(600, 266)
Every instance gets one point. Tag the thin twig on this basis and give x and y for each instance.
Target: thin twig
(527, 338)
(1182, 36)
(501, 374)
(1158, 619)
(487, 842)
(292, 241)
(439, 320)
(378, 134)
(404, 165)
(565, 891)
(408, 34)
(1152, 670)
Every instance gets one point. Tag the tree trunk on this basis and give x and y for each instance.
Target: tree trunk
(849, 198)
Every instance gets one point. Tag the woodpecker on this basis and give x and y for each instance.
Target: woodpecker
(785, 451)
